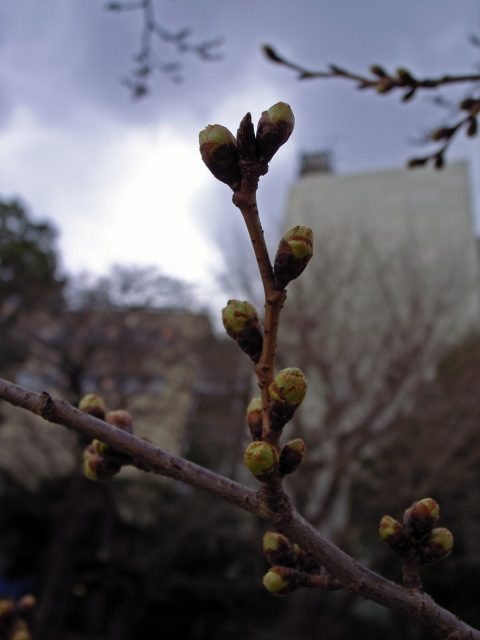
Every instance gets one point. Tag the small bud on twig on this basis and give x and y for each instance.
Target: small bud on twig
(240, 320)
(287, 392)
(420, 518)
(294, 253)
(437, 546)
(377, 70)
(291, 456)
(219, 152)
(246, 141)
(278, 550)
(282, 580)
(392, 533)
(120, 419)
(305, 561)
(261, 459)
(274, 129)
(254, 418)
(93, 405)
(97, 467)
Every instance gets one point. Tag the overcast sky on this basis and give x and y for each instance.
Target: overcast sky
(123, 181)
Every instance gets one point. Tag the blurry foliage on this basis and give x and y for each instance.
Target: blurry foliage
(28, 276)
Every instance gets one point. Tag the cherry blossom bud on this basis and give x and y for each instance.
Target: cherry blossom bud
(219, 152)
(254, 418)
(120, 419)
(287, 392)
(241, 322)
(291, 456)
(274, 129)
(294, 253)
(421, 518)
(261, 459)
(437, 546)
(278, 550)
(93, 405)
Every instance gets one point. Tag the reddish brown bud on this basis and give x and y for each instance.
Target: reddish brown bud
(254, 418)
(219, 152)
(421, 518)
(472, 127)
(305, 561)
(93, 405)
(246, 141)
(273, 130)
(291, 456)
(120, 419)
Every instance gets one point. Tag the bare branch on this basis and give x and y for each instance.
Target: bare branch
(354, 578)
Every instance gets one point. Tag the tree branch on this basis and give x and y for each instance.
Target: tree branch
(354, 577)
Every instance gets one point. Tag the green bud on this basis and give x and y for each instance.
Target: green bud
(273, 130)
(255, 418)
(289, 387)
(99, 447)
(275, 582)
(120, 419)
(282, 580)
(241, 322)
(389, 527)
(291, 456)
(294, 253)
(93, 405)
(437, 546)
(392, 533)
(278, 550)
(97, 467)
(286, 393)
(219, 152)
(261, 459)
(420, 518)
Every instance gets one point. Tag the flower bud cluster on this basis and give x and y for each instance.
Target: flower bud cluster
(241, 323)
(417, 536)
(12, 617)
(100, 461)
(291, 566)
(222, 153)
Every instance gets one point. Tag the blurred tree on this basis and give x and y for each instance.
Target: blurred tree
(148, 60)
(29, 278)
